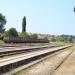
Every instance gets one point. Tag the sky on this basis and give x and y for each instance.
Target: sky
(54, 17)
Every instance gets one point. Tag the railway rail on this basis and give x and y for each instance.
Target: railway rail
(48, 65)
(12, 50)
(5, 64)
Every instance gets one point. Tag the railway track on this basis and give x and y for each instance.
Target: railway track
(12, 50)
(47, 66)
(5, 64)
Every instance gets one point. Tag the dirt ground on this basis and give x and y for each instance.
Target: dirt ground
(67, 68)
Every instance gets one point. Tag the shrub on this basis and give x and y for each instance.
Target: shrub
(34, 36)
(24, 34)
(12, 32)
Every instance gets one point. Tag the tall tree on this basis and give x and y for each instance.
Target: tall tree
(24, 24)
(2, 23)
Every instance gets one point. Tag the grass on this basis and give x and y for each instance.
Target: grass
(60, 43)
(1, 42)
(71, 48)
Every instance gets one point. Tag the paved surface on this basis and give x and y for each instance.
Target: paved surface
(67, 68)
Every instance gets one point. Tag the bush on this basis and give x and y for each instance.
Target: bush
(24, 34)
(12, 32)
(34, 36)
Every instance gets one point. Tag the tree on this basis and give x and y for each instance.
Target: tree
(24, 35)
(24, 24)
(2, 23)
(12, 32)
(34, 36)
(74, 9)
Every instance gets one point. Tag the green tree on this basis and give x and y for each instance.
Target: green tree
(34, 36)
(24, 34)
(12, 32)
(74, 9)
(2, 23)
(24, 24)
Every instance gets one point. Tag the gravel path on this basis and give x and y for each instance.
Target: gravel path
(67, 68)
